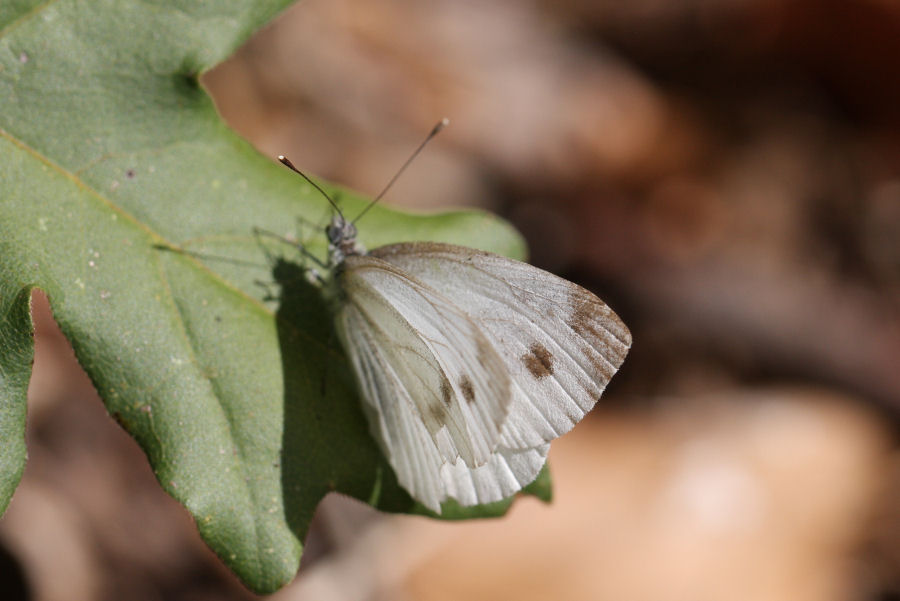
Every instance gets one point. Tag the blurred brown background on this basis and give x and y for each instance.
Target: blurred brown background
(726, 174)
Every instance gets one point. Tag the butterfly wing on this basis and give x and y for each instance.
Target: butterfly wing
(436, 389)
(421, 467)
(559, 342)
(506, 473)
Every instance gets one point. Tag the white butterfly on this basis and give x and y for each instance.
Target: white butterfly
(468, 363)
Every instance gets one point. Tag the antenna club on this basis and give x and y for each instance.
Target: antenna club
(441, 125)
(287, 163)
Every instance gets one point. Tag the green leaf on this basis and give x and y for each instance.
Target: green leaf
(219, 359)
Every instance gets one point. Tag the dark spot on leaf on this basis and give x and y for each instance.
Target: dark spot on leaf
(538, 361)
(129, 174)
(468, 391)
(188, 78)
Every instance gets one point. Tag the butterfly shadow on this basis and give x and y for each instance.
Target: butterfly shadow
(326, 445)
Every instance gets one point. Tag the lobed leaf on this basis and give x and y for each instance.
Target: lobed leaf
(126, 199)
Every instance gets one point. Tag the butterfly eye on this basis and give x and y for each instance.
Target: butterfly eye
(334, 233)
(339, 231)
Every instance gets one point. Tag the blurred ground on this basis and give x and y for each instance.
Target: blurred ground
(725, 174)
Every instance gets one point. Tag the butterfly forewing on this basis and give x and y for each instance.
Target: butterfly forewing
(432, 355)
(559, 343)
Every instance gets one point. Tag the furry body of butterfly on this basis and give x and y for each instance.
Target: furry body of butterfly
(468, 363)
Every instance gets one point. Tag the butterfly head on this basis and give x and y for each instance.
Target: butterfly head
(342, 241)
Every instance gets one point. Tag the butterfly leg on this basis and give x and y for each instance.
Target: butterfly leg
(314, 277)
(299, 246)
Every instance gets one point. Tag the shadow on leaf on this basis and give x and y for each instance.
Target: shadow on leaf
(326, 444)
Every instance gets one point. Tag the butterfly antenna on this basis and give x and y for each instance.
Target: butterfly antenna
(437, 128)
(287, 163)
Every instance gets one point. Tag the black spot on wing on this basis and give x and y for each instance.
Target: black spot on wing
(465, 384)
(590, 318)
(446, 393)
(538, 361)
(586, 316)
(438, 414)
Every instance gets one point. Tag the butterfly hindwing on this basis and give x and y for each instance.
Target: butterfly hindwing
(403, 436)
(507, 472)
(420, 467)
(430, 360)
